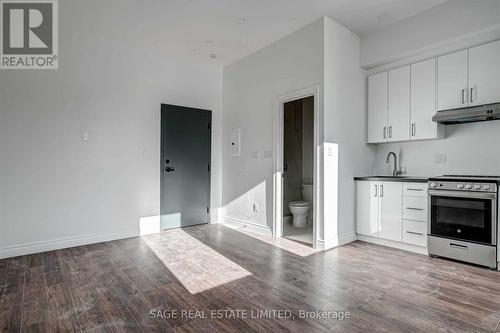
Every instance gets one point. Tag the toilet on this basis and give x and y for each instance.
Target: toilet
(301, 210)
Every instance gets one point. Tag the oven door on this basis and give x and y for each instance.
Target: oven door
(468, 216)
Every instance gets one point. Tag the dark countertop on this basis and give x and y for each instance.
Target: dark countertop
(403, 179)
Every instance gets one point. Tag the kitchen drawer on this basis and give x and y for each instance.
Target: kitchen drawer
(415, 190)
(415, 208)
(415, 233)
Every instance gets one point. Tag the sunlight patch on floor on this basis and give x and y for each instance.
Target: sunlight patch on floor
(282, 243)
(303, 235)
(197, 266)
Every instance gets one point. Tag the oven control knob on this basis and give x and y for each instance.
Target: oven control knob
(460, 186)
(477, 187)
(486, 187)
(434, 185)
(468, 186)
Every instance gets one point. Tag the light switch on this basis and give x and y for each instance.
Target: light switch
(84, 136)
(235, 141)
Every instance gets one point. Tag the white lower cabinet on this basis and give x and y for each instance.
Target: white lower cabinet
(392, 211)
(379, 209)
(415, 209)
(368, 207)
(415, 232)
(391, 214)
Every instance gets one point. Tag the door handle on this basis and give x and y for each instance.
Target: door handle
(169, 169)
(463, 96)
(385, 132)
(381, 191)
(376, 191)
(413, 129)
(459, 246)
(390, 132)
(472, 94)
(411, 208)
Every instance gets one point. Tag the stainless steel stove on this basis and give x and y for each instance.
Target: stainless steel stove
(463, 218)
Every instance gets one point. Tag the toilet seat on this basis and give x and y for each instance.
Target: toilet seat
(299, 203)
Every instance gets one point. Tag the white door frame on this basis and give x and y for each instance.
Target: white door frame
(279, 102)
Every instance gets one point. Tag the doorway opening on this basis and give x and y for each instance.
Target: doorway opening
(298, 170)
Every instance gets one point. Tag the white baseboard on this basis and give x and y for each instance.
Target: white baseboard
(335, 242)
(236, 223)
(63, 243)
(393, 244)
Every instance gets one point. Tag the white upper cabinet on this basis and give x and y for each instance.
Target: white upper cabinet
(484, 74)
(399, 104)
(423, 101)
(377, 108)
(403, 101)
(452, 80)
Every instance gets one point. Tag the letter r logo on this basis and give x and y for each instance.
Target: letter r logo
(27, 27)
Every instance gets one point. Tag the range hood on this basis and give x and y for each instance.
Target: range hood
(468, 115)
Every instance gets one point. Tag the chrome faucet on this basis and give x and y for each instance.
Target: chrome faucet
(395, 171)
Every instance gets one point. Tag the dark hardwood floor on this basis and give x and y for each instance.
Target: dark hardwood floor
(112, 287)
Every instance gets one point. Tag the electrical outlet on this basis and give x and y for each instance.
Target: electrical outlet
(440, 158)
(255, 208)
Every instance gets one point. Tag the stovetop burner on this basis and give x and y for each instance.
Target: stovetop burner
(469, 176)
(465, 183)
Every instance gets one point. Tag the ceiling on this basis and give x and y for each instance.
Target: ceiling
(224, 31)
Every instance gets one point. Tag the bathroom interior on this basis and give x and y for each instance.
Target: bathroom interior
(298, 170)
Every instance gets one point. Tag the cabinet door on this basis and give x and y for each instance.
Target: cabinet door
(399, 104)
(391, 211)
(367, 195)
(484, 74)
(377, 108)
(452, 80)
(423, 100)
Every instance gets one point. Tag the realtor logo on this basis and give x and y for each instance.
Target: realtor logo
(29, 34)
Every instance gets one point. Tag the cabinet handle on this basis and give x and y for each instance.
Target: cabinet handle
(472, 94)
(463, 96)
(385, 132)
(415, 189)
(390, 132)
(376, 191)
(381, 191)
(412, 208)
(415, 233)
(413, 129)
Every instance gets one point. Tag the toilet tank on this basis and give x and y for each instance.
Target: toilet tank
(307, 193)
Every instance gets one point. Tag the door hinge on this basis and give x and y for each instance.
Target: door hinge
(209, 168)
(209, 125)
(208, 210)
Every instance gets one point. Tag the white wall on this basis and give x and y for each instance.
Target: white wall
(345, 120)
(324, 53)
(250, 86)
(469, 148)
(446, 24)
(54, 186)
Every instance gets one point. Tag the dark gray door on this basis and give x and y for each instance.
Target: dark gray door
(185, 166)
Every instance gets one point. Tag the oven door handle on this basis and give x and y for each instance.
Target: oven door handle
(460, 194)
